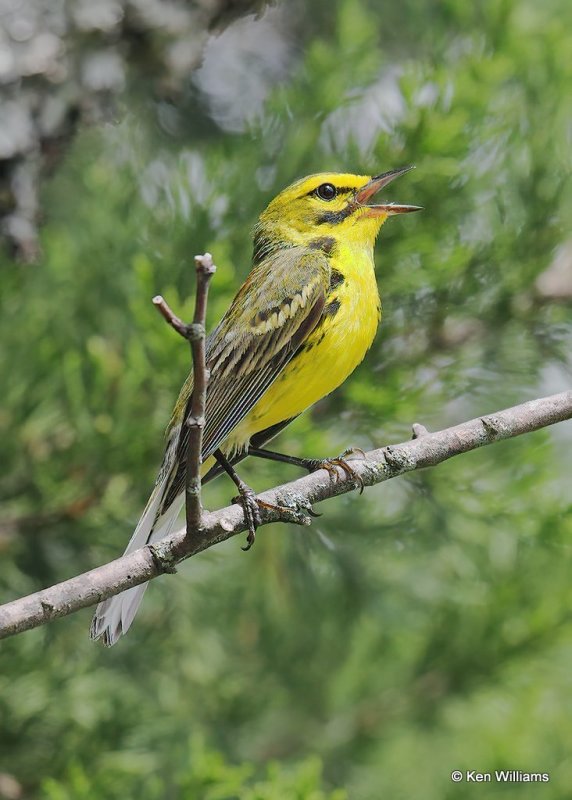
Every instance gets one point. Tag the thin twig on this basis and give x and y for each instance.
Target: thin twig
(196, 419)
(194, 415)
(299, 496)
(174, 321)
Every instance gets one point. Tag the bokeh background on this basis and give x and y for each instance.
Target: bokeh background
(421, 628)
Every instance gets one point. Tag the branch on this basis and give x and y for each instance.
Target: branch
(427, 450)
(194, 414)
(196, 420)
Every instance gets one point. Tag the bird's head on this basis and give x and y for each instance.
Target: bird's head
(325, 205)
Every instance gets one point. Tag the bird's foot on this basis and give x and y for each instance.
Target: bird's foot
(331, 466)
(247, 499)
(251, 505)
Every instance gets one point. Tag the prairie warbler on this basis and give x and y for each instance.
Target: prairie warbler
(299, 325)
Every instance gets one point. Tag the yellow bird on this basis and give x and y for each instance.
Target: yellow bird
(299, 325)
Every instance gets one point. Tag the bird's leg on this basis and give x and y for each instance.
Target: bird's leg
(247, 499)
(314, 464)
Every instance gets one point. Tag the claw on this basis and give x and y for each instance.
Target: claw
(304, 511)
(247, 499)
(339, 462)
(251, 505)
(350, 472)
(331, 464)
(350, 451)
(296, 516)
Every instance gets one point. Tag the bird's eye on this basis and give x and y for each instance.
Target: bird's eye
(326, 191)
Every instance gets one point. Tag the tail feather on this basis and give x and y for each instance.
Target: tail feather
(114, 616)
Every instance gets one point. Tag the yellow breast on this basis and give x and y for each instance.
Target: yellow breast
(331, 352)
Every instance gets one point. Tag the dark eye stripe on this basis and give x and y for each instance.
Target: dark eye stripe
(335, 217)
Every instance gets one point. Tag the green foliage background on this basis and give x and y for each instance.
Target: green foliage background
(422, 628)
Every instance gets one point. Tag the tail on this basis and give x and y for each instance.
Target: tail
(114, 616)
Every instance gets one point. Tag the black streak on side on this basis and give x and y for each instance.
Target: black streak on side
(327, 244)
(332, 308)
(307, 346)
(336, 279)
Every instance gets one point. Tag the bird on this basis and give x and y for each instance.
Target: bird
(299, 325)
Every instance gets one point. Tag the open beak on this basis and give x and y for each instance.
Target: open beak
(374, 186)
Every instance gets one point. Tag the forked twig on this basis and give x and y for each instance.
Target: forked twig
(194, 414)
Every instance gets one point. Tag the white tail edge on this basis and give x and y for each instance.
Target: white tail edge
(114, 616)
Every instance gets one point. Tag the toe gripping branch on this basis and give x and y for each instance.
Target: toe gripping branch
(300, 513)
(314, 464)
(331, 466)
(247, 498)
(303, 511)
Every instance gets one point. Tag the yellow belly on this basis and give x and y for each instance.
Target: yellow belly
(331, 353)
